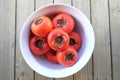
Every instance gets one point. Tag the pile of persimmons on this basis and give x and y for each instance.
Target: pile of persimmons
(55, 39)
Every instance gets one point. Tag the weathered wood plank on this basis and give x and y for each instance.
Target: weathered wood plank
(24, 9)
(83, 5)
(115, 36)
(7, 39)
(63, 1)
(69, 3)
(66, 78)
(86, 72)
(100, 22)
(41, 3)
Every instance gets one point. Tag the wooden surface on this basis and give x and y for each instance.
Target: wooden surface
(105, 18)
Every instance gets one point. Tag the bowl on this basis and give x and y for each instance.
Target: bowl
(43, 66)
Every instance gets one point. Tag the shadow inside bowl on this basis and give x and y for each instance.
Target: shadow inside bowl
(44, 62)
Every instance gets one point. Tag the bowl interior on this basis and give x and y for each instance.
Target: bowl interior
(43, 66)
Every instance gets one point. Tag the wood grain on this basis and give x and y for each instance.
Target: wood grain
(24, 9)
(102, 57)
(115, 36)
(63, 1)
(41, 3)
(7, 39)
(66, 78)
(86, 72)
(38, 4)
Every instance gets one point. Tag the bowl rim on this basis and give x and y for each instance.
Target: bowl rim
(49, 5)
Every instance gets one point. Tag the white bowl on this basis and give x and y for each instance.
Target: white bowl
(82, 26)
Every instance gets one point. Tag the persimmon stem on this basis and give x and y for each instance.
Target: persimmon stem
(61, 22)
(59, 39)
(53, 52)
(69, 56)
(38, 21)
(40, 44)
(72, 41)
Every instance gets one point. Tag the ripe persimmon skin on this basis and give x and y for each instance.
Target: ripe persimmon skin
(41, 26)
(64, 22)
(58, 39)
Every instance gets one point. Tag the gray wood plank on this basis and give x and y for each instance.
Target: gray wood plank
(69, 3)
(115, 36)
(102, 57)
(66, 78)
(7, 39)
(24, 9)
(41, 3)
(86, 72)
(40, 77)
(63, 1)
